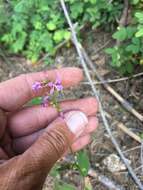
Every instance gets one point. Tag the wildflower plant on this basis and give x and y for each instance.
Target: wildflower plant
(53, 91)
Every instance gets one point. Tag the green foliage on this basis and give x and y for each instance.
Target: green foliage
(129, 39)
(83, 164)
(139, 16)
(35, 101)
(35, 27)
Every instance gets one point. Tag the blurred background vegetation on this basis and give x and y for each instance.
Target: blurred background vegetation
(35, 27)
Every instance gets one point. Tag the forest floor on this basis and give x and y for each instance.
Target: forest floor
(101, 146)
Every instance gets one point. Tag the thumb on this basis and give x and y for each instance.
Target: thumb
(57, 138)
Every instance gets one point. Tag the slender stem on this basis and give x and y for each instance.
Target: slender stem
(142, 155)
(78, 48)
(115, 80)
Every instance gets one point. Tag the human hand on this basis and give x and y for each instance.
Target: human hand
(33, 138)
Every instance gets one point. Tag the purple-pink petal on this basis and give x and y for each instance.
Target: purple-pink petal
(50, 84)
(36, 86)
(59, 87)
(58, 81)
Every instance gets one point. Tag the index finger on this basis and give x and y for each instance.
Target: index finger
(16, 92)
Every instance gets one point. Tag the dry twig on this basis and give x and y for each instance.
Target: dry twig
(115, 80)
(129, 132)
(131, 149)
(79, 48)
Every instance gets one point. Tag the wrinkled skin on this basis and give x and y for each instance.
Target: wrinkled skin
(33, 138)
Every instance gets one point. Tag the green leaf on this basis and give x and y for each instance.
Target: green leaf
(55, 171)
(47, 42)
(136, 41)
(110, 51)
(67, 35)
(76, 9)
(121, 34)
(139, 33)
(139, 16)
(134, 2)
(83, 162)
(133, 48)
(58, 36)
(38, 25)
(129, 68)
(131, 31)
(51, 26)
(35, 101)
(20, 7)
(19, 43)
(93, 1)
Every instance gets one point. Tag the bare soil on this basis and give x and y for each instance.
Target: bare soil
(101, 146)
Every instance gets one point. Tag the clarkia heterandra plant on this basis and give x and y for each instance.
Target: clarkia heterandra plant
(51, 96)
(52, 92)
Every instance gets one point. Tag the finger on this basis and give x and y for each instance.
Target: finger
(34, 118)
(17, 91)
(81, 143)
(3, 155)
(2, 123)
(92, 126)
(56, 140)
(23, 143)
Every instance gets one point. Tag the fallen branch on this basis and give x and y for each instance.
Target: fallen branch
(129, 132)
(105, 121)
(132, 149)
(122, 101)
(115, 80)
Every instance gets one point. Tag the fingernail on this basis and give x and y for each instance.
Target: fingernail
(76, 121)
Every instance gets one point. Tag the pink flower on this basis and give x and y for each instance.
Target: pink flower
(57, 85)
(36, 86)
(49, 96)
